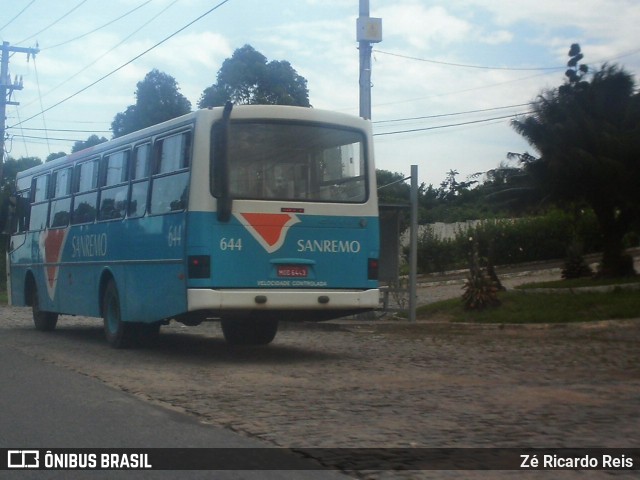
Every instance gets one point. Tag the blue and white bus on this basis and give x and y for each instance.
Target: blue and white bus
(247, 215)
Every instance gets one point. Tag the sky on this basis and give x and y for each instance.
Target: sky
(447, 77)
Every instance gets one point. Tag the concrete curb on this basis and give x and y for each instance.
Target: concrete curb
(599, 289)
(385, 326)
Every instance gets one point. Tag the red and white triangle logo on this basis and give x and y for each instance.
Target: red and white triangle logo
(51, 246)
(269, 229)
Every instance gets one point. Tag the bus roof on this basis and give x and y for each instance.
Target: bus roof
(240, 112)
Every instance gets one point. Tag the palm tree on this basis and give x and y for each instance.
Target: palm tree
(587, 136)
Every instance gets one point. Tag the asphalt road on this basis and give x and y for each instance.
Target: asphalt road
(46, 406)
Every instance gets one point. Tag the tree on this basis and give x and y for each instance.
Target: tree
(587, 135)
(53, 156)
(247, 79)
(158, 99)
(92, 141)
(12, 167)
(509, 188)
(392, 187)
(450, 188)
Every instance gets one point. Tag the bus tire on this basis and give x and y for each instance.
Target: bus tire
(43, 321)
(249, 331)
(119, 334)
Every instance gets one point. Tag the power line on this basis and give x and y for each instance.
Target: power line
(622, 55)
(104, 77)
(35, 69)
(54, 22)
(63, 130)
(450, 114)
(466, 90)
(98, 28)
(66, 120)
(19, 13)
(26, 149)
(471, 122)
(548, 71)
(97, 59)
(484, 67)
(462, 65)
(47, 139)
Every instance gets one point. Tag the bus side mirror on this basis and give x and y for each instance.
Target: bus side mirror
(7, 214)
(220, 164)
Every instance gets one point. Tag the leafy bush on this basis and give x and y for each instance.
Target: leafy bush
(480, 291)
(507, 241)
(435, 255)
(575, 265)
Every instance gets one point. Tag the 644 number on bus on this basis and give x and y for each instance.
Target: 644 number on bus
(232, 244)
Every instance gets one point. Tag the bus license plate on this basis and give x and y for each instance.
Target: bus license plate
(292, 271)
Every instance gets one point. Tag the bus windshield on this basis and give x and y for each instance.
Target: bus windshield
(301, 162)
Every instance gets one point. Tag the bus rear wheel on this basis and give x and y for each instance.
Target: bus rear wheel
(249, 331)
(119, 334)
(43, 321)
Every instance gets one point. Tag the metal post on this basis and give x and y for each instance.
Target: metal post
(4, 74)
(413, 245)
(365, 80)
(369, 30)
(365, 68)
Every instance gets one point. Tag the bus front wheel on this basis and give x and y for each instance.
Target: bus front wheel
(119, 334)
(43, 321)
(249, 331)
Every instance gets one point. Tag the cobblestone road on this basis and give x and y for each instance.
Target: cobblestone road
(378, 384)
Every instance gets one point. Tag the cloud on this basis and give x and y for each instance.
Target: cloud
(497, 37)
(609, 27)
(422, 27)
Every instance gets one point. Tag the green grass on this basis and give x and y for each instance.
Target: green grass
(519, 307)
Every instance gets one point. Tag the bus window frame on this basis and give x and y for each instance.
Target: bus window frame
(94, 190)
(122, 185)
(22, 212)
(157, 177)
(219, 129)
(54, 199)
(140, 180)
(41, 202)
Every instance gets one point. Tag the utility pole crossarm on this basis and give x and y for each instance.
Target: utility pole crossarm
(7, 87)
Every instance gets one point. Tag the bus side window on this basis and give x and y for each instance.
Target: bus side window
(39, 203)
(169, 191)
(84, 207)
(61, 203)
(139, 180)
(113, 200)
(23, 210)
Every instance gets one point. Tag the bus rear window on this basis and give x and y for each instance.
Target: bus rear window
(302, 162)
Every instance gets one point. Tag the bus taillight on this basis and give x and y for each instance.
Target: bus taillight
(199, 266)
(373, 269)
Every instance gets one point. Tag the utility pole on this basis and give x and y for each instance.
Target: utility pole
(368, 31)
(7, 87)
(413, 245)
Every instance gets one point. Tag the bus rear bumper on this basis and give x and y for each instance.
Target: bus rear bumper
(302, 300)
